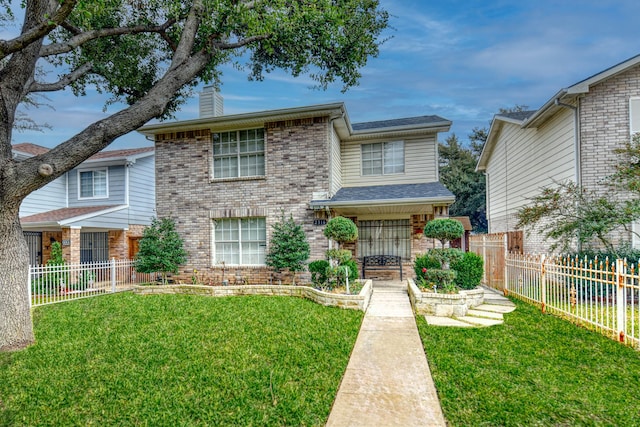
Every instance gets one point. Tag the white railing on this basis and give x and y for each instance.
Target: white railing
(592, 293)
(56, 283)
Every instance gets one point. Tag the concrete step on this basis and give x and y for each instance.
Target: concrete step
(480, 321)
(496, 308)
(447, 321)
(485, 314)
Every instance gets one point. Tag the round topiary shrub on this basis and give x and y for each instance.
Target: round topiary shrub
(443, 229)
(341, 229)
(469, 270)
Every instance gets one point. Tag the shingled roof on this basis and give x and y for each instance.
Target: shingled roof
(403, 122)
(396, 193)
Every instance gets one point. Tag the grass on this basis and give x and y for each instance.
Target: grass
(177, 360)
(534, 370)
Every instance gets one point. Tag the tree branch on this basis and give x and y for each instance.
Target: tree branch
(240, 43)
(83, 37)
(65, 81)
(8, 47)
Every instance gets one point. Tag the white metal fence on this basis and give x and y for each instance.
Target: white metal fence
(592, 293)
(56, 283)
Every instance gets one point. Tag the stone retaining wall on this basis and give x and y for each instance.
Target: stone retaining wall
(445, 305)
(354, 302)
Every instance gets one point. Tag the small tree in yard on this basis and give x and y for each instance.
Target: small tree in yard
(161, 249)
(444, 230)
(342, 230)
(288, 249)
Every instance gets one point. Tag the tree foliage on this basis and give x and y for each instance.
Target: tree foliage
(458, 174)
(569, 215)
(148, 55)
(161, 249)
(288, 247)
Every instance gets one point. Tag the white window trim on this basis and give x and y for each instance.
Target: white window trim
(238, 155)
(635, 225)
(214, 260)
(106, 170)
(404, 159)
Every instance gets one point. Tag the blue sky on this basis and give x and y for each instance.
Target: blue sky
(461, 60)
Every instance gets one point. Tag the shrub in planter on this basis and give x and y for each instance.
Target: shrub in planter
(341, 229)
(443, 229)
(469, 270)
(441, 279)
(319, 272)
(424, 261)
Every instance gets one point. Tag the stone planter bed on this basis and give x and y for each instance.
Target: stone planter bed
(354, 302)
(444, 305)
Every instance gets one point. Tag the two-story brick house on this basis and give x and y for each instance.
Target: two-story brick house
(227, 179)
(571, 137)
(97, 211)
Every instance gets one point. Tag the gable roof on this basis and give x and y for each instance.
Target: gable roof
(65, 216)
(564, 98)
(129, 154)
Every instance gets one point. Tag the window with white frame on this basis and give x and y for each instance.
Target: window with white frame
(240, 241)
(93, 184)
(383, 158)
(238, 153)
(634, 127)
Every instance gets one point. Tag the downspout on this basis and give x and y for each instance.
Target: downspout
(576, 146)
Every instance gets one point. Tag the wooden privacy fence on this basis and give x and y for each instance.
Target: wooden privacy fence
(493, 248)
(593, 293)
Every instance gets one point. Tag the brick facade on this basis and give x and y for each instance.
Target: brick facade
(296, 159)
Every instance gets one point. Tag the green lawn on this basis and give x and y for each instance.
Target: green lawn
(535, 370)
(177, 360)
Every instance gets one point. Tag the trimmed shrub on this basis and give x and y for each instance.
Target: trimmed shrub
(425, 261)
(443, 229)
(319, 272)
(340, 255)
(341, 229)
(353, 269)
(469, 270)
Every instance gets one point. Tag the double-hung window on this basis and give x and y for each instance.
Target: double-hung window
(383, 158)
(240, 241)
(93, 184)
(238, 154)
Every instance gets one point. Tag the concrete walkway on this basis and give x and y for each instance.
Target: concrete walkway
(387, 381)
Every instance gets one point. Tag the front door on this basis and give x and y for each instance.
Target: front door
(34, 242)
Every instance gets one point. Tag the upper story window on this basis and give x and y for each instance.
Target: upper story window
(238, 153)
(634, 115)
(93, 184)
(383, 158)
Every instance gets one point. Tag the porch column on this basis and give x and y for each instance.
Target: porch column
(71, 244)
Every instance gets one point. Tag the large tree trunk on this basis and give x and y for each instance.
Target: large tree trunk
(16, 328)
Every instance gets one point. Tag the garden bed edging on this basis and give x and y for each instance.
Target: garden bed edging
(444, 305)
(353, 302)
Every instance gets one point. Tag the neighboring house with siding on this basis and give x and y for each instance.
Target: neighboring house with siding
(97, 211)
(227, 179)
(571, 137)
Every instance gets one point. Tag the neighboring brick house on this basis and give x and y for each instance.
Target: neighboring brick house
(227, 179)
(97, 210)
(571, 137)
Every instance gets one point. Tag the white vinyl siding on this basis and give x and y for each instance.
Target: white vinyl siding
(238, 154)
(383, 158)
(634, 115)
(93, 184)
(525, 160)
(420, 164)
(335, 182)
(240, 241)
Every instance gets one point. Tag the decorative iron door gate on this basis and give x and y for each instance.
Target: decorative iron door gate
(384, 237)
(34, 242)
(94, 247)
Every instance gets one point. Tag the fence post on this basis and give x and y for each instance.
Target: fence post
(505, 275)
(621, 301)
(484, 257)
(543, 283)
(29, 287)
(113, 275)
